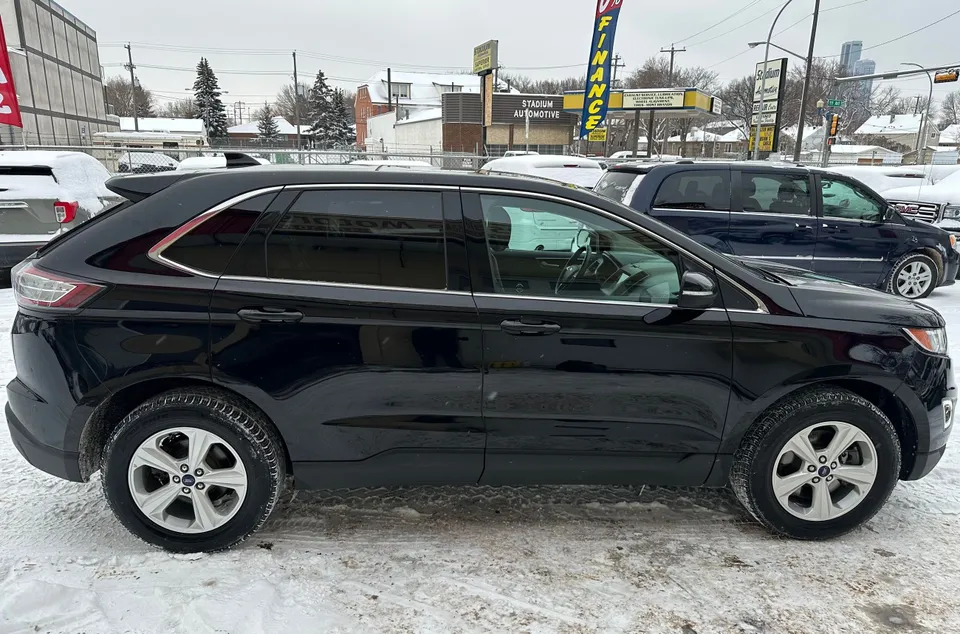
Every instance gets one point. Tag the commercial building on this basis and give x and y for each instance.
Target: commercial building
(865, 67)
(551, 129)
(56, 71)
(850, 55)
(413, 92)
(156, 133)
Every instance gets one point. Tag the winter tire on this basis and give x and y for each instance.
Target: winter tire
(817, 465)
(914, 276)
(193, 470)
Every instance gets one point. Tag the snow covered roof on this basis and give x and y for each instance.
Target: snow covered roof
(423, 115)
(808, 131)
(697, 136)
(425, 88)
(158, 124)
(950, 135)
(145, 136)
(252, 127)
(892, 124)
(860, 149)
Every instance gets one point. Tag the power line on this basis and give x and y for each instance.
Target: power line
(713, 26)
(736, 28)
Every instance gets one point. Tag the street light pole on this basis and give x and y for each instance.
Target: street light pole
(763, 81)
(922, 132)
(806, 83)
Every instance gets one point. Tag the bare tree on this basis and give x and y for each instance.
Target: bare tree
(350, 98)
(287, 99)
(950, 109)
(120, 96)
(179, 109)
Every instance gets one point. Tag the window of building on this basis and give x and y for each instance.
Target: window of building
(695, 190)
(400, 90)
(376, 238)
(209, 246)
(540, 248)
(445, 88)
(777, 194)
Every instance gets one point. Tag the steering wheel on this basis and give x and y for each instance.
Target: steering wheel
(569, 275)
(624, 288)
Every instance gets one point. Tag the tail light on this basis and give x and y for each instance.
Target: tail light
(36, 288)
(66, 211)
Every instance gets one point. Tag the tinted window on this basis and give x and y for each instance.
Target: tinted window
(377, 238)
(210, 246)
(695, 190)
(593, 257)
(845, 200)
(614, 185)
(776, 194)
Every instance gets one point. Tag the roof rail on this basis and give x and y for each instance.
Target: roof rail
(239, 159)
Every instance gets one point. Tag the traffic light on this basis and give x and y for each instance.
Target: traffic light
(834, 122)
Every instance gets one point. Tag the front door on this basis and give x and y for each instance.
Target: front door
(775, 219)
(591, 375)
(854, 242)
(345, 317)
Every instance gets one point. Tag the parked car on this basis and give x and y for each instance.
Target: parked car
(510, 153)
(815, 219)
(350, 327)
(937, 203)
(574, 170)
(196, 163)
(146, 163)
(43, 194)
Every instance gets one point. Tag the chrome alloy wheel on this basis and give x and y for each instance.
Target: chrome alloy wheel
(914, 280)
(824, 471)
(187, 480)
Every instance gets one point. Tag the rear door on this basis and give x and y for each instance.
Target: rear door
(774, 217)
(854, 242)
(346, 315)
(696, 202)
(27, 195)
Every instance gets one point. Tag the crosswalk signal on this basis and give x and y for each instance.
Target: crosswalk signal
(834, 124)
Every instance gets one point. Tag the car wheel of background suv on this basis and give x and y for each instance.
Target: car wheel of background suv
(817, 465)
(914, 276)
(192, 470)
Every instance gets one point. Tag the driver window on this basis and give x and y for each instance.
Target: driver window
(846, 201)
(539, 248)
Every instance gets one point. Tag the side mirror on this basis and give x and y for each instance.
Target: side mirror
(890, 213)
(697, 291)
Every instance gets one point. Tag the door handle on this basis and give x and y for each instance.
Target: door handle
(524, 329)
(801, 227)
(269, 314)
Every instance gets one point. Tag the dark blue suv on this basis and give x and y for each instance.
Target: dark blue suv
(810, 218)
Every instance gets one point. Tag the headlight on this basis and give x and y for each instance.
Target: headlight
(951, 212)
(930, 339)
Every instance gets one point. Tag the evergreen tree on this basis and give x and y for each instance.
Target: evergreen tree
(210, 107)
(320, 113)
(267, 125)
(341, 132)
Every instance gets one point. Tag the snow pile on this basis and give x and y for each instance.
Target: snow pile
(79, 177)
(944, 191)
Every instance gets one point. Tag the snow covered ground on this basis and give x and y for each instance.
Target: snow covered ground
(444, 560)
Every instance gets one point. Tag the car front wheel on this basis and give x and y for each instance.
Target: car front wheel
(914, 276)
(817, 465)
(193, 470)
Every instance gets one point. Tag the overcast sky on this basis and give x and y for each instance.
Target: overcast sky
(350, 41)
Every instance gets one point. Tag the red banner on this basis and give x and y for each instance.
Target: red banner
(9, 108)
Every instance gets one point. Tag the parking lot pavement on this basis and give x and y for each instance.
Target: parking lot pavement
(446, 560)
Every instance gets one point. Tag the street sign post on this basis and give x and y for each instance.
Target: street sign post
(835, 103)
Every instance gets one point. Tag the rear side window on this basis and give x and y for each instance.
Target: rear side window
(695, 190)
(615, 185)
(376, 238)
(209, 246)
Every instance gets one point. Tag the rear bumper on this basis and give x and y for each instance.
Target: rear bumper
(13, 253)
(63, 464)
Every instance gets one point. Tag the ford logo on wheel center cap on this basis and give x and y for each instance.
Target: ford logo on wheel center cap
(823, 472)
(189, 480)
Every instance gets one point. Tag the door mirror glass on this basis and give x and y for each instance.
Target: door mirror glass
(697, 291)
(890, 214)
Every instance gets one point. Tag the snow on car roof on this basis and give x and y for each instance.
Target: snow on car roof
(38, 157)
(521, 164)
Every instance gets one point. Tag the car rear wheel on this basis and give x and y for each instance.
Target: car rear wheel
(914, 276)
(193, 470)
(817, 465)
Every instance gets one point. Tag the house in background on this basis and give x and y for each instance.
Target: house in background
(898, 131)
(156, 133)
(950, 137)
(413, 92)
(249, 134)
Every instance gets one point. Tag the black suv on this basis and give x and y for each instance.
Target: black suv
(354, 327)
(811, 218)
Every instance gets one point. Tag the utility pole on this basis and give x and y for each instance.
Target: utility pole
(615, 66)
(133, 87)
(296, 100)
(673, 50)
(798, 148)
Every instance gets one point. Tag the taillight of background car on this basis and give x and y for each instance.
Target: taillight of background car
(36, 288)
(66, 211)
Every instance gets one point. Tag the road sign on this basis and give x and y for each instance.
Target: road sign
(766, 137)
(769, 118)
(598, 135)
(835, 103)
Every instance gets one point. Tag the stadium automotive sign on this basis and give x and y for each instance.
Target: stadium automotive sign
(769, 85)
(597, 94)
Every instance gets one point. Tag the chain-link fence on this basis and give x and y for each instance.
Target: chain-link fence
(124, 160)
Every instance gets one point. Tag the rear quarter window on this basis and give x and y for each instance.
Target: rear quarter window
(616, 185)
